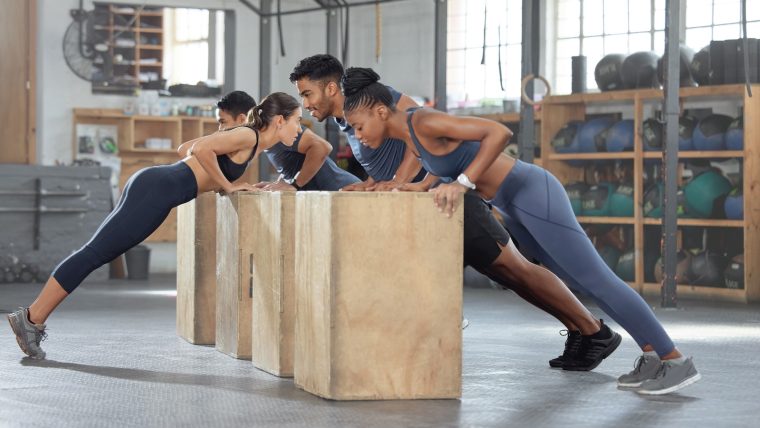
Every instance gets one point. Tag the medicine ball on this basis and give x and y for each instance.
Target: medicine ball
(608, 72)
(621, 201)
(733, 276)
(700, 66)
(735, 134)
(734, 205)
(707, 268)
(512, 150)
(650, 260)
(626, 268)
(640, 71)
(575, 193)
(610, 255)
(703, 190)
(710, 133)
(653, 133)
(653, 199)
(619, 137)
(686, 57)
(682, 268)
(565, 141)
(596, 201)
(588, 133)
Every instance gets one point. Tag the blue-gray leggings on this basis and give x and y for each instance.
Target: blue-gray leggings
(147, 199)
(539, 216)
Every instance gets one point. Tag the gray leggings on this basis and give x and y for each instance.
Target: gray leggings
(538, 214)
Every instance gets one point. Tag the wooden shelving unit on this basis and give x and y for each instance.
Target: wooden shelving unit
(146, 30)
(559, 110)
(132, 132)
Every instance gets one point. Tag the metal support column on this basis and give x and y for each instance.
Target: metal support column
(441, 24)
(333, 48)
(670, 152)
(527, 133)
(265, 69)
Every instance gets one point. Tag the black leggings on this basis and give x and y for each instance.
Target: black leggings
(148, 197)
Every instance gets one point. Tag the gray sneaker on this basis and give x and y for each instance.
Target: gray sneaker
(644, 368)
(28, 334)
(670, 378)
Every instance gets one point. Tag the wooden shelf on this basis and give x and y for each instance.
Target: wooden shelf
(150, 64)
(154, 151)
(699, 154)
(650, 289)
(591, 156)
(559, 110)
(150, 30)
(629, 95)
(508, 117)
(606, 220)
(151, 47)
(698, 222)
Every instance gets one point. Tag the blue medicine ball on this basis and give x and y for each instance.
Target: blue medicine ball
(566, 140)
(710, 133)
(591, 129)
(734, 205)
(735, 134)
(619, 137)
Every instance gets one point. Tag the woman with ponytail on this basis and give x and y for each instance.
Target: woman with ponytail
(537, 211)
(210, 163)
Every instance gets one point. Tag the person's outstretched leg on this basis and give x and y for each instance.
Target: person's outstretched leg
(489, 250)
(542, 208)
(146, 201)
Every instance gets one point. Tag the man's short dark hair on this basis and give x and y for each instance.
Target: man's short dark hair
(236, 102)
(322, 67)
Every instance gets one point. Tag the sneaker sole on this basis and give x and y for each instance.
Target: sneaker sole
(15, 327)
(613, 346)
(630, 385)
(686, 382)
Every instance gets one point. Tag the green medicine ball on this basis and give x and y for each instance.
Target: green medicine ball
(610, 255)
(703, 191)
(596, 201)
(653, 199)
(575, 193)
(626, 268)
(621, 201)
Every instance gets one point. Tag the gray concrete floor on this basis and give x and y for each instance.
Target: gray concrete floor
(115, 360)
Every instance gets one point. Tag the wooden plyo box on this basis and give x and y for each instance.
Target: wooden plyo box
(196, 270)
(233, 276)
(378, 296)
(273, 303)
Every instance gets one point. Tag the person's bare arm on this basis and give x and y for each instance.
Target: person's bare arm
(493, 138)
(316, 149)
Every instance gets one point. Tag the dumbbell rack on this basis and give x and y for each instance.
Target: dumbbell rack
(557, 111)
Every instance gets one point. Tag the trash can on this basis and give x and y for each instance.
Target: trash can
(138, 261)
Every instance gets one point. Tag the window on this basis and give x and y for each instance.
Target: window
(190, 32)
(472, 78)
(708, 20)
(595, 28)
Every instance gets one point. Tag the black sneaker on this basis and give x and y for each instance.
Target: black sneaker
(572, 345)
(593, 350)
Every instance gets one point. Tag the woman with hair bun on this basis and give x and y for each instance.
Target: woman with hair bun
(537, 212)
(210, 163)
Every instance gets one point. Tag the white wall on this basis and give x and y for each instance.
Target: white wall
(59, 90)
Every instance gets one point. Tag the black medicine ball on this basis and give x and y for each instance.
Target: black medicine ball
(700, 66)
(686, 57)
(707, 268)
(640, 71)
(734, 274)
(608, 72)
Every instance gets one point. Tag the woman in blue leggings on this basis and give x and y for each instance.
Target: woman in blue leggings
(538, 213)
(210, 163)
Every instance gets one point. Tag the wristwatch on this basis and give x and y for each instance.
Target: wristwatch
(292, 181)
(465, 181)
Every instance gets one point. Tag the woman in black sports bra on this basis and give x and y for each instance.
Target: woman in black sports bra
(210, 163)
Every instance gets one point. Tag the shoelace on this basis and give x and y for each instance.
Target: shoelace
(41, 337)
(662, 370)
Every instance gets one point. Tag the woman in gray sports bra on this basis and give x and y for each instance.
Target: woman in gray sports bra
(536, 208)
